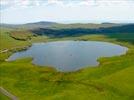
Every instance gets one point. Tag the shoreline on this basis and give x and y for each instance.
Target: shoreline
(98, 59)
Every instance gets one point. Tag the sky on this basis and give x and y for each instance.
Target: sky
(66, 11)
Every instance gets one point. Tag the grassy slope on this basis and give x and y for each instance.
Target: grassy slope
(111, 80)
(7, 42)
(21, 35)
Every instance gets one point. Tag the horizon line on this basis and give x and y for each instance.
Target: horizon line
(75, 22)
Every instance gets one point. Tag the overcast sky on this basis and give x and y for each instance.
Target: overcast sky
(24, 11)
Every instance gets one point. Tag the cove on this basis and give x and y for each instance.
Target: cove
(67, 56)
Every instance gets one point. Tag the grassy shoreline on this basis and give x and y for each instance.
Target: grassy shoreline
(111, 80)
(101, 38)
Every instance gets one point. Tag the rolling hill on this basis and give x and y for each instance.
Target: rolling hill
(124, 32)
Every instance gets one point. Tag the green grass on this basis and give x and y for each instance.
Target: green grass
(3, 97)
(21, 35)
(111, 80)
(6, 42)
(16, 43)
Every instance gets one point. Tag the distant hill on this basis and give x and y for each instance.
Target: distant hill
(61, 32)
(54, 25)
(84, 26)
(54, 29)
(41, 24)
(57, 29)
(124, 32)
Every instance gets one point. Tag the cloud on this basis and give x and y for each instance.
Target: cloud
(58, 10)
(5, 4)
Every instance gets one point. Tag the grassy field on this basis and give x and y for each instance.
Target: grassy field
(21, 35)
(3, 97)
(111, 80)
(12, 42)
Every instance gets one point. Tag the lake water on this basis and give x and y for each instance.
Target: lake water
(69, 55)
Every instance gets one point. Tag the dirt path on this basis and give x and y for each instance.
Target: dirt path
(6, 50)
(8, 94)
(3, 51)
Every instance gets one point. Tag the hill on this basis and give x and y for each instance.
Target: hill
(41, 24)
(54, 25)
(124, 32)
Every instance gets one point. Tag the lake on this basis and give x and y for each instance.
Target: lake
(69, 56)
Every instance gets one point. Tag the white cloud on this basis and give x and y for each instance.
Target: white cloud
(22, 3)
(55, 10)
(27, 3)
(4, 2)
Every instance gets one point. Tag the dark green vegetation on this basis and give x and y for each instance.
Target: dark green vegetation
(111, 80)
